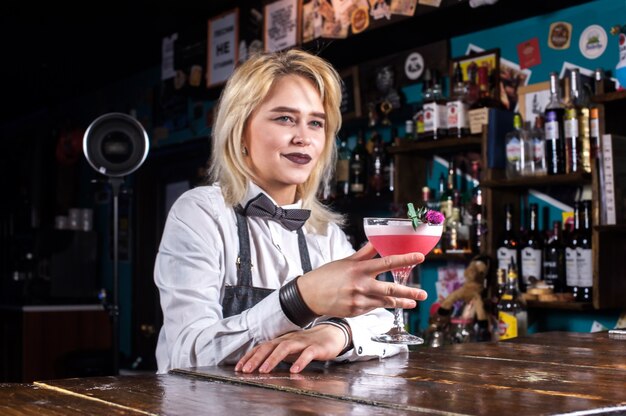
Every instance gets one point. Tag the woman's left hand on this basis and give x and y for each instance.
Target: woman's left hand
(321, 342)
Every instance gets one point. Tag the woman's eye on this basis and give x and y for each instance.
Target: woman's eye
(285, 119)
(317, 123)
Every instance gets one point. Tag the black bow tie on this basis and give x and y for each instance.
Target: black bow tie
(261, 206)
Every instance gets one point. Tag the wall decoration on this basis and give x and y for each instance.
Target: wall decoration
(560, 35)
(250, 32)
(593, 41)
(281, 25)
(414, 66)
(222, 47)
(528, 53)
(533, 100)
(403, 7)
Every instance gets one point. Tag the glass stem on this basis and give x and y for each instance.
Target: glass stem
(398, 319)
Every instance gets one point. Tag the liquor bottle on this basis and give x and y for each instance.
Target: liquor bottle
(571, 265)
(512, 313)
(532, 250)
(554, 129)
(583, 255)
(377, 163)
(535, 153)
(409, 128)
(580, 100)
(435, 117)
(455, 236)
(508, 245)
(476, 211)
(513, 146)
(572, 142)
(554, 260)
(358, 168)
(594, 133)
(446, 199)
(342, 171)
(500, 285)
(390, 163)
(457, 107)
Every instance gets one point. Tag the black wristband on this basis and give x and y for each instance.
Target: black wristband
(294, 306)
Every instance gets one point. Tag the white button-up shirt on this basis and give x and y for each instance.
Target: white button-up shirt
(197, 260)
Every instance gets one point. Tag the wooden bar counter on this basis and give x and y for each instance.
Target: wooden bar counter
(543, 374)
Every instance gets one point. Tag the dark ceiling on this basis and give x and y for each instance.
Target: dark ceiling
(54, 54)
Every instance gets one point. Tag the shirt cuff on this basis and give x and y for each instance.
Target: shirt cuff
(266, 320)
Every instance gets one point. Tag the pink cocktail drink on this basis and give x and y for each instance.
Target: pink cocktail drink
(391, 236)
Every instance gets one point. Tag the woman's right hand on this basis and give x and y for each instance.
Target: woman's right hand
(348, 287)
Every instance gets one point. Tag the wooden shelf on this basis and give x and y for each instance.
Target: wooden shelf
(611, 96)
(539, 181)
(447, 145)
(572, 306)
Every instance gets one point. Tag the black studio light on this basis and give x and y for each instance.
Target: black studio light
(115, 145)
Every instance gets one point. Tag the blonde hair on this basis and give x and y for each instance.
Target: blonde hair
(243, 93)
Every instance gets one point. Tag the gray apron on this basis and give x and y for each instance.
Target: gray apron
(244, 296)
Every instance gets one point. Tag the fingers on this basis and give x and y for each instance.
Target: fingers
(387, 263)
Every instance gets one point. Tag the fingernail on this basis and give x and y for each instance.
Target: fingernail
(247, 368)
(263, 368)
(238, 367)
(294, 368)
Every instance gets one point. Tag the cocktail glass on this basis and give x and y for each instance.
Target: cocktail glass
(397, 236)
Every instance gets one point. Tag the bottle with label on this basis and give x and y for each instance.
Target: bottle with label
(594, 133)
(457, 107)
(513, 148)
(476, 212)
(342, 171)
(508, 245)
(554, 129)
(537, 146)
(512, 313)
(435, 117)
(358, 168)
(572, 142)
(554, 259)
(532, 250)
(583, 255)
(571, 262)
(377, 163)
(580, 100)
(455, 234)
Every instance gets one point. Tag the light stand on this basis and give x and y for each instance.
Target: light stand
(115, 145)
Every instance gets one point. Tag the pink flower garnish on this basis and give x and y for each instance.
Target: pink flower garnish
(434, 217)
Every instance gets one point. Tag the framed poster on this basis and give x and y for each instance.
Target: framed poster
(350, 93)
(489, 59)
(281, 25)
(222, 54)
(533, 100)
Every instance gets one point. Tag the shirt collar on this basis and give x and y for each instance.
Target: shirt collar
(253, 190)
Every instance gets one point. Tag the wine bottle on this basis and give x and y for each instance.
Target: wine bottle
(554, 129)
(580, 99)
(531, 247)
(513, 146)
(435, 117)
(508, 246)
(572, 142)
(583, 255)
(377, 163)
(571, 263)
(554, 260)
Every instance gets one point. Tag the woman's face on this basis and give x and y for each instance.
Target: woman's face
(285, 137)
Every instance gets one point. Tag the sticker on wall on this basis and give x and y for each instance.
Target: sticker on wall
(359, 20)
(414, 66)
(560, 35)
(593, 41)
(528, 53)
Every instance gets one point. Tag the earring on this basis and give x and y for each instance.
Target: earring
(244, 151)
